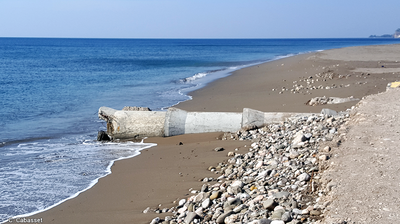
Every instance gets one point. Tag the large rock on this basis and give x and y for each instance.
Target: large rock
(102, 136)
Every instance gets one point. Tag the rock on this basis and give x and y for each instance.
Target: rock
(330, 112)
(204, 188)
(277, 222)
(214, 195)
(102, 136)
(231, 203)
(230, 154)
(297, 211)
(303, 177)
(323, 158)
(286, 217)
(283, 194)
(190, 207)
(231, 219)
(200, 197)
(234, 189)
(293, 154)
(206, 203)
(189, 217)
(243, 196)
(315, 213)
(294, 204)
(221, 218)
(269, 204)
(306, 137)
(239, 208)
(211, 168)
(155, 220)
(264, 221)
(146, 210)
(199, 212)
(297, 138)
(237, 183)
(219, 149)
(217, 213)
(259, 164)
(182, 202)
(277, 215)
(207, 218)
(326, 149)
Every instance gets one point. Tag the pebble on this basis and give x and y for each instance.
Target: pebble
(214, 195)
(272, 179)
(264, 221)
(182, 202)
(206, 203)
(146, 210)
(286, 217)
(303, 177)
(277, 222)
(221, 218)
(189, 217)
(155, 220)
(269, 204)
(218, 149)
(277, 215)
(315, 213)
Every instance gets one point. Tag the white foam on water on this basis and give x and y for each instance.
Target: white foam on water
(194, 77)
(56, 172)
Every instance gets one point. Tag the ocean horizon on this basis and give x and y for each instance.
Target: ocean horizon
(52, 88)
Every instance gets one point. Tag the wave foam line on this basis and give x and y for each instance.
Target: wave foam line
(108, 171)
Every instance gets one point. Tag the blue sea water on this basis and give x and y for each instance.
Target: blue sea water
(51, 89)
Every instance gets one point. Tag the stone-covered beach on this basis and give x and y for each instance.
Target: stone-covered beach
(324, 168)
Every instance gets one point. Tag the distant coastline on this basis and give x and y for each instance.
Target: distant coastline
(395, 35)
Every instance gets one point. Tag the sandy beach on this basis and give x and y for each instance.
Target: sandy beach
(164, 174)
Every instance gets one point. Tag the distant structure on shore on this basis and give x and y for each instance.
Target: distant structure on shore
(395, 35)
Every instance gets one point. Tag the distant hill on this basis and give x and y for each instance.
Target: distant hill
(395, 35)
(382, 36)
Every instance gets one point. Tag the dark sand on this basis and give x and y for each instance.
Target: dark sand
(154, 178)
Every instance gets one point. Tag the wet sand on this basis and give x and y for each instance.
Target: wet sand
(163, 174)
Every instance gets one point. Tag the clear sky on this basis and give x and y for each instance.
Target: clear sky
(198, 18)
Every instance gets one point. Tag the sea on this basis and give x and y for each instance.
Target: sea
(51, 90)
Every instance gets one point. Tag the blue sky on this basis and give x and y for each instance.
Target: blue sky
(198, 19)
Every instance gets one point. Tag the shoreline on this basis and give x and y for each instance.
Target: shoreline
(231, 94)
(220, 96)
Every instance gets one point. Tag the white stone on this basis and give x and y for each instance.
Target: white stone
(155, 220)
(182, 202)
(259, 164)
(323, 158)
(237, 183)
(206, 203)
(199, 211)
(244, 196)
(303, 177)
(277, 222)
(182, 210)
